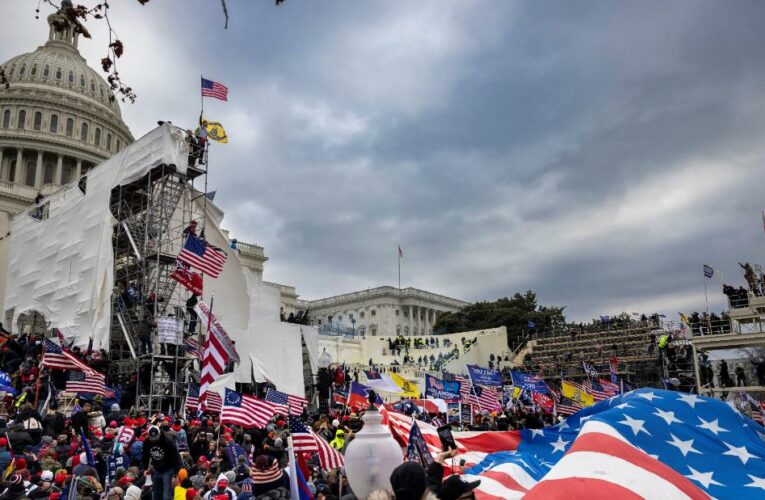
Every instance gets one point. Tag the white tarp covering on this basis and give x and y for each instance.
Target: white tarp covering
(248, 309)
(63, 266)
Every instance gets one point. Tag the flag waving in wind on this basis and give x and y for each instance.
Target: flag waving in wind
(708, 271)
(214, 89)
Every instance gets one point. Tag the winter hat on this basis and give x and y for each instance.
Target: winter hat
(230, 475)
(153, 432)
(115, 491)
(113, 424)
(3, 442)
(124, 481)
(222, 481)
(191, 493)
(21, 463)
(83, 458)
(46, 475)
(59, 478)
(335, 423)
(182, 474)
(115, 407)
(408, 481)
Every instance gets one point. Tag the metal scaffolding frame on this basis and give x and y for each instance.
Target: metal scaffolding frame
(150, 217)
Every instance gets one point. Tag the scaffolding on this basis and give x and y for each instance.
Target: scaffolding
(151, 215)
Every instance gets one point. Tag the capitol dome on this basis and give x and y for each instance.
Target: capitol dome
(58, 118)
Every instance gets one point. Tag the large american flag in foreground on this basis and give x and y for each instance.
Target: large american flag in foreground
(646, 443)
(304, 440)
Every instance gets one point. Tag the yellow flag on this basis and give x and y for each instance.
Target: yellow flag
(215, 131)
(684, 319)
(517, 392)
(8, 470)
(574, 393)
(408, 389)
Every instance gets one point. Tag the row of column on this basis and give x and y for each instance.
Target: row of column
(423, 319)
(20, 169)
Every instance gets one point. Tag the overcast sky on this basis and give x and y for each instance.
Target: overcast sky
(596, 152)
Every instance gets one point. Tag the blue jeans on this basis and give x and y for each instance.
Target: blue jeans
(162, 485)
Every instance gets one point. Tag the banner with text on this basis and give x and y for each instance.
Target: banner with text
(437, 388)
(529, 382)
(484, 376)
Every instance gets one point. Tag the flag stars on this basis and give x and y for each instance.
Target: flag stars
(712, 426)
(537, 432)
(667, 416)
(738, 451)
(635, 425)
(703, 478)
(757, 482)
(648, 395)
(690, 399)
(559, 445)
(623, 406)
(685, 447)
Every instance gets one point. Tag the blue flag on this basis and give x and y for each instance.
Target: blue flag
(484, 376)
(528, 382)
(417, 449)
(6, 384)
(88, 451)
(441, 389)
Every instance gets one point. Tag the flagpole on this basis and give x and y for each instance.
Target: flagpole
(202, 99)
(294, 492)
(399, 269)
(204, 350)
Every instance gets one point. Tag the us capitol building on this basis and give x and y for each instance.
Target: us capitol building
(58, 118)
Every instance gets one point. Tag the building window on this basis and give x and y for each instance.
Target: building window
(319, 321)
(12, 171)
(398, 329)
(339, 319)
(118, 145)
(84, 132)
(97, 138)
(71, 77)
(101, 89)
(7, 118)
(396, 312)
(49, 173)
(46, 71)
(67, 174)
(30, 177)
(69, 127)
(361, 315)
(362, 330)
(373, 313)
(82, 81)
(54, 124)
(13, 68)
(33, 72)
(93, 86)
(58, 74)
(38, 121)
(22, 120)
(22, 70)
(109, 142)
(373, 330)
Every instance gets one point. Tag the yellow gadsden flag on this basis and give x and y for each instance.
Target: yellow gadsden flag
(573, 392)
(215, 131)
(408, 389)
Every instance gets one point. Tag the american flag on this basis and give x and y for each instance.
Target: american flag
(245, 410)
(486, 398)
(594, 388)
(648, 443)
(199, 254)
(57, 358)
(567, 406)
(329, 457)
(193, 348)
(288, 404)
(213, 403)
(755, 407)
(303, 440)
(610, 388)
(214, 89)
(85, 382)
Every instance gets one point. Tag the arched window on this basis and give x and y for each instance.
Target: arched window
(46, 71)
(58, 73)
(7, 118)
(82, 81)
(54, 124)
(22, 119)
(22, 70)
(30, 177)
(13, 68)
(66, 174)
(38, 121)
(118, 145)
(102, 91)
(33, 72)
(69, 127)
(71, 77)
(12, 171)
(84, 132)
(97, 138)
(93, 86)
(109, 142)
(50, 170)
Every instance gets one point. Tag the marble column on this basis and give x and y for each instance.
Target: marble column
(39, 171)
(2, 168)
(78, 169)
(19, 163)
(59, 170)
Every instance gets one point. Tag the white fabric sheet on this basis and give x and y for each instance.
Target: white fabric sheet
(63, 266)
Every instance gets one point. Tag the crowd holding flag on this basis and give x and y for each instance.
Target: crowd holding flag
(288, 404)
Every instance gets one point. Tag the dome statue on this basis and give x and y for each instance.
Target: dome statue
(58, 119)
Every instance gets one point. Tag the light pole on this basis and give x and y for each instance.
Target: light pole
(323, 383)
(353, 326)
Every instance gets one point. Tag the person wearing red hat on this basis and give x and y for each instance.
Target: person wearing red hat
(5, 454)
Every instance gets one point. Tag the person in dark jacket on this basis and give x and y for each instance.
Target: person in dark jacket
(80, 419)
(19, 438)
(161, 457)
(53, 422)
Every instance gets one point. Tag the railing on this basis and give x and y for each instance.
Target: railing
(387, 290)
(336, 331)
(709, 326)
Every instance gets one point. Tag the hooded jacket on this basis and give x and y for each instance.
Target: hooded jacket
(217, 491)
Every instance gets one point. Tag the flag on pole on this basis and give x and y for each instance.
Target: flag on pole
(199, 254)
(214, 89)
(213, 400)
(400, 252)
(302, 440)
(708, 271)
(246, 410)
(286, 402)
(85, 382)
